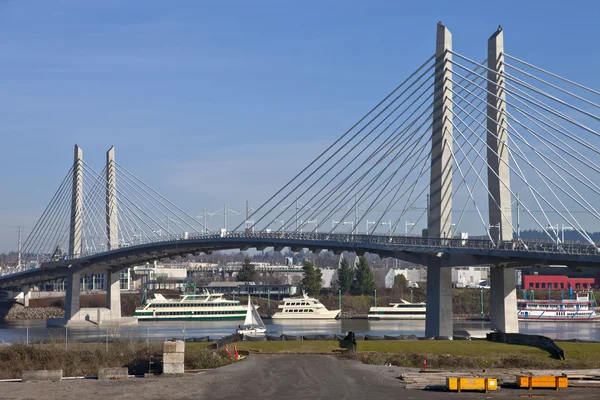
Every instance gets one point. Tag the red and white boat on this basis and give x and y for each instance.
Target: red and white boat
(581, 309)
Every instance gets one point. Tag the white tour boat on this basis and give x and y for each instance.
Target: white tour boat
(403, 310)
(304, 308)
(582, 308)
(253, 324)
(191, 307)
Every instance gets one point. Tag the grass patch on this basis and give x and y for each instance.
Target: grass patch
(443, 354)
(476, 354)
(303, 346)
(85, 359)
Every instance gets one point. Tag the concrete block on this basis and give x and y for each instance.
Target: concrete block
(106, 374)
(42, 375)
(177, 346)
(173, 369)
(173, 358)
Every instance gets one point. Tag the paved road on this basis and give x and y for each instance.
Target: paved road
(289, 377)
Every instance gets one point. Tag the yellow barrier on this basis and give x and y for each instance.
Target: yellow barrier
(549, 381)
(481, 384)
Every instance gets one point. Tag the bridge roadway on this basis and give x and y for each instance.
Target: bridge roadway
(449, 252)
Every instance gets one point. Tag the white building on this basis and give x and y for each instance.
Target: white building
(413, 274)
(329, 277)
(464, 276)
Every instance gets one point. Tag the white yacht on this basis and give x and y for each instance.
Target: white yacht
(304, 308)
(253, 324)
(582, 308)
(403, 310)
(191, 307)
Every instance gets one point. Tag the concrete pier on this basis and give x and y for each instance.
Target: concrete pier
(439, 280)
(113, 294)
(503, 300)
(72, 304)
(438, 320)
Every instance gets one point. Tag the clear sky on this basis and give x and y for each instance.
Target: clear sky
(221, 101)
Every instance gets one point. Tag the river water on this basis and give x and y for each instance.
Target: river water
(35, 330)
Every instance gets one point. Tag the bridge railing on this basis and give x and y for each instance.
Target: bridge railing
(434, 244)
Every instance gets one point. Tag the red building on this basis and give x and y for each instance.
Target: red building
(556, 282)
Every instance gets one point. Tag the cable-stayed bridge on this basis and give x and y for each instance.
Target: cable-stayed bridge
(475, 138)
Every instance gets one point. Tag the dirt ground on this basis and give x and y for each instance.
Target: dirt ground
(267, 376)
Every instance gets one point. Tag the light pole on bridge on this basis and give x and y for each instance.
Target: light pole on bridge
(565, 228)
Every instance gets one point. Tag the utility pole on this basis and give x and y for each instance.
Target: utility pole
(518, 217)
(296, 213)
(19, 250)
(355, 226)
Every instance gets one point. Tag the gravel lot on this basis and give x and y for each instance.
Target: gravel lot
(287, 377)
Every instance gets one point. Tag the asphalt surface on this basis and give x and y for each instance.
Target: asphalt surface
(289, 377)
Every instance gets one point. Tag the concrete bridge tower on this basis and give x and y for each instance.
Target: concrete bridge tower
(439, 223)
(112, 282)
(503, 297)
(75, 234)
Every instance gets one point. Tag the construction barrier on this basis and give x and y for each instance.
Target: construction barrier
(549, 381)
(479, 384)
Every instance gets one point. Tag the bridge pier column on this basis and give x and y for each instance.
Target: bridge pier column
(26, 296)
(72, 295)
(113, 294)
(438, 320)
(503, 300)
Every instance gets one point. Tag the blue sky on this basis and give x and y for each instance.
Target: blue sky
(213, 102)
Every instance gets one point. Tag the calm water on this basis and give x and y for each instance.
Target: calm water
(17, 331)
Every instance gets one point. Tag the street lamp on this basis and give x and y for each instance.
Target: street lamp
(496, 226)
(565, 228)
(281, 221)
(406, 225)
(389, 223)
(309, 221)
(554, 228)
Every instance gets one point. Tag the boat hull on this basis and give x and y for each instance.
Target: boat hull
(397, 317)
(559, 319)
(252, 332)
(330, 314)
(189, 318)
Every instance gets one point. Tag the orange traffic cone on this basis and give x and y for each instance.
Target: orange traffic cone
(235, 352)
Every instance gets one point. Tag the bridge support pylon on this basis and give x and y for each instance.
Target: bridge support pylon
(72, 289)
(503, 308)
(438, 320)
(503, 286)
(113, 294)
(26, 295)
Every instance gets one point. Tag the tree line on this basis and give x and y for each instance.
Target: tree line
(350, 280)
(356, 281)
